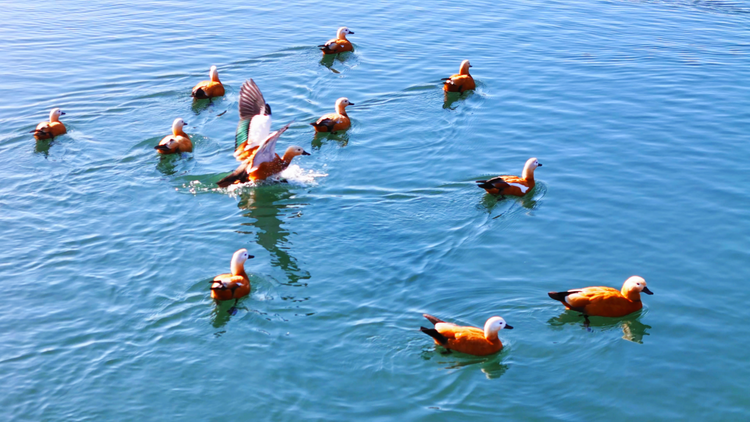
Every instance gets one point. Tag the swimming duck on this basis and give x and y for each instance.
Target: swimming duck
(48, 130)
(265, 162)
(339, 44)
(177, 142)
(333, 122)
(210, 88)
(469, 340)
(605, 301)
(255, 121)
(460, 82)
(234, 285)
(512, 185)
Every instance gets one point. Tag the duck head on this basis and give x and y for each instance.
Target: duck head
(214, 74)
(341, 105)
(292, 152)
(634, 286)
(177, 126)
(54, 115)
(493, 325)
(464, 70)
(529, 167)
(342, 32)
(238, 261)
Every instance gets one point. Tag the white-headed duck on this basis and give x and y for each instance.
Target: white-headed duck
(48, 130)
(333, 122)
(265, 162)
(460, 82)
(234, 285)
(339, 44)
(255, 121)
(605, 301)
(469, 340)
(177, 142)
(210, 88)
(512, 185)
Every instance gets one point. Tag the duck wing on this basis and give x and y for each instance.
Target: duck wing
(252, 106)
(267, 150)
(497, 182)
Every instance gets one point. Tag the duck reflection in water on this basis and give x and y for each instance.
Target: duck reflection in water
(491, 366)
(269, 206)
(632, 329)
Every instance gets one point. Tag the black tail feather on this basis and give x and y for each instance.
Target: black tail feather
(561, 295)
(200, 94)
(432, 319)
(434, 334)
(238, 175)
(484, 184)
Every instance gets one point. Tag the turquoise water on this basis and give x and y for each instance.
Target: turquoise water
(638, 110)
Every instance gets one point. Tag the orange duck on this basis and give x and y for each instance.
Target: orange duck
(265, 162)
(177, 142)
(333, 122)
(605, 301)
(469, 340)
(339, 44)
(234, 285)
(255, 121)
(512, 185)
(460, 82)
(48, 130)
(211, 88)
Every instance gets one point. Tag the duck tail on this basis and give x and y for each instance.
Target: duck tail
(434, 334)
(561, 295)
(200, 94)
(238, 175)
(484, 184)
(432, 319)
(162, 148)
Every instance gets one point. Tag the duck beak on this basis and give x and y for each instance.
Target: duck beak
(351, 32)
(250, 256)
(508, 327)
(471, 66)
(647, 291)
(305, 152)
(540, 164)
(62, 113)
(351, 103)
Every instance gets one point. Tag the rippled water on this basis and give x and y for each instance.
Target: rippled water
(637, 109)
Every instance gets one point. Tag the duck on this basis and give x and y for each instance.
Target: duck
(265, 162)
(210, 88)
(177, 142)
(333, 122)
(255, 121)
(48, 130)
(234, 285)
(605, 301)
(461, 81)
(512, 185)
(469, 340)
(339, 44)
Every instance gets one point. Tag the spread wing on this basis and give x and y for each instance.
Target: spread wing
(251, 104)
(267, 150)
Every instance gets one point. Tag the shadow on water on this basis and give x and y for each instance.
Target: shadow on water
(491, 366)
(329, 60)
(632, 329)
(268, 205)
(452, 97)
(507, 205)
(42, 146)
(321, 138)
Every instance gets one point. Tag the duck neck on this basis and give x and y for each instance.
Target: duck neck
(53, 118)
(288, 156)
(490, 335)
(239, 269)
(341, 109)
(632, 294)
(528, 173)
(341, 35)
(177, 131)
(214, 76)
(464, 69)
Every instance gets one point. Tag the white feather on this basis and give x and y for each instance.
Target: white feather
(520, 186)
(260, 127)
(266, 152)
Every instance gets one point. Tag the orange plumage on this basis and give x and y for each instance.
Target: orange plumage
(460, 82)
(210, 88)
(605, 301)
(334, 122)
(52, 128)
(177, 142)
(512, 185)
(469, 340)
(339, 44)
(236, 284)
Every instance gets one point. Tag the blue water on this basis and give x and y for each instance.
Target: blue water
(638, 110)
